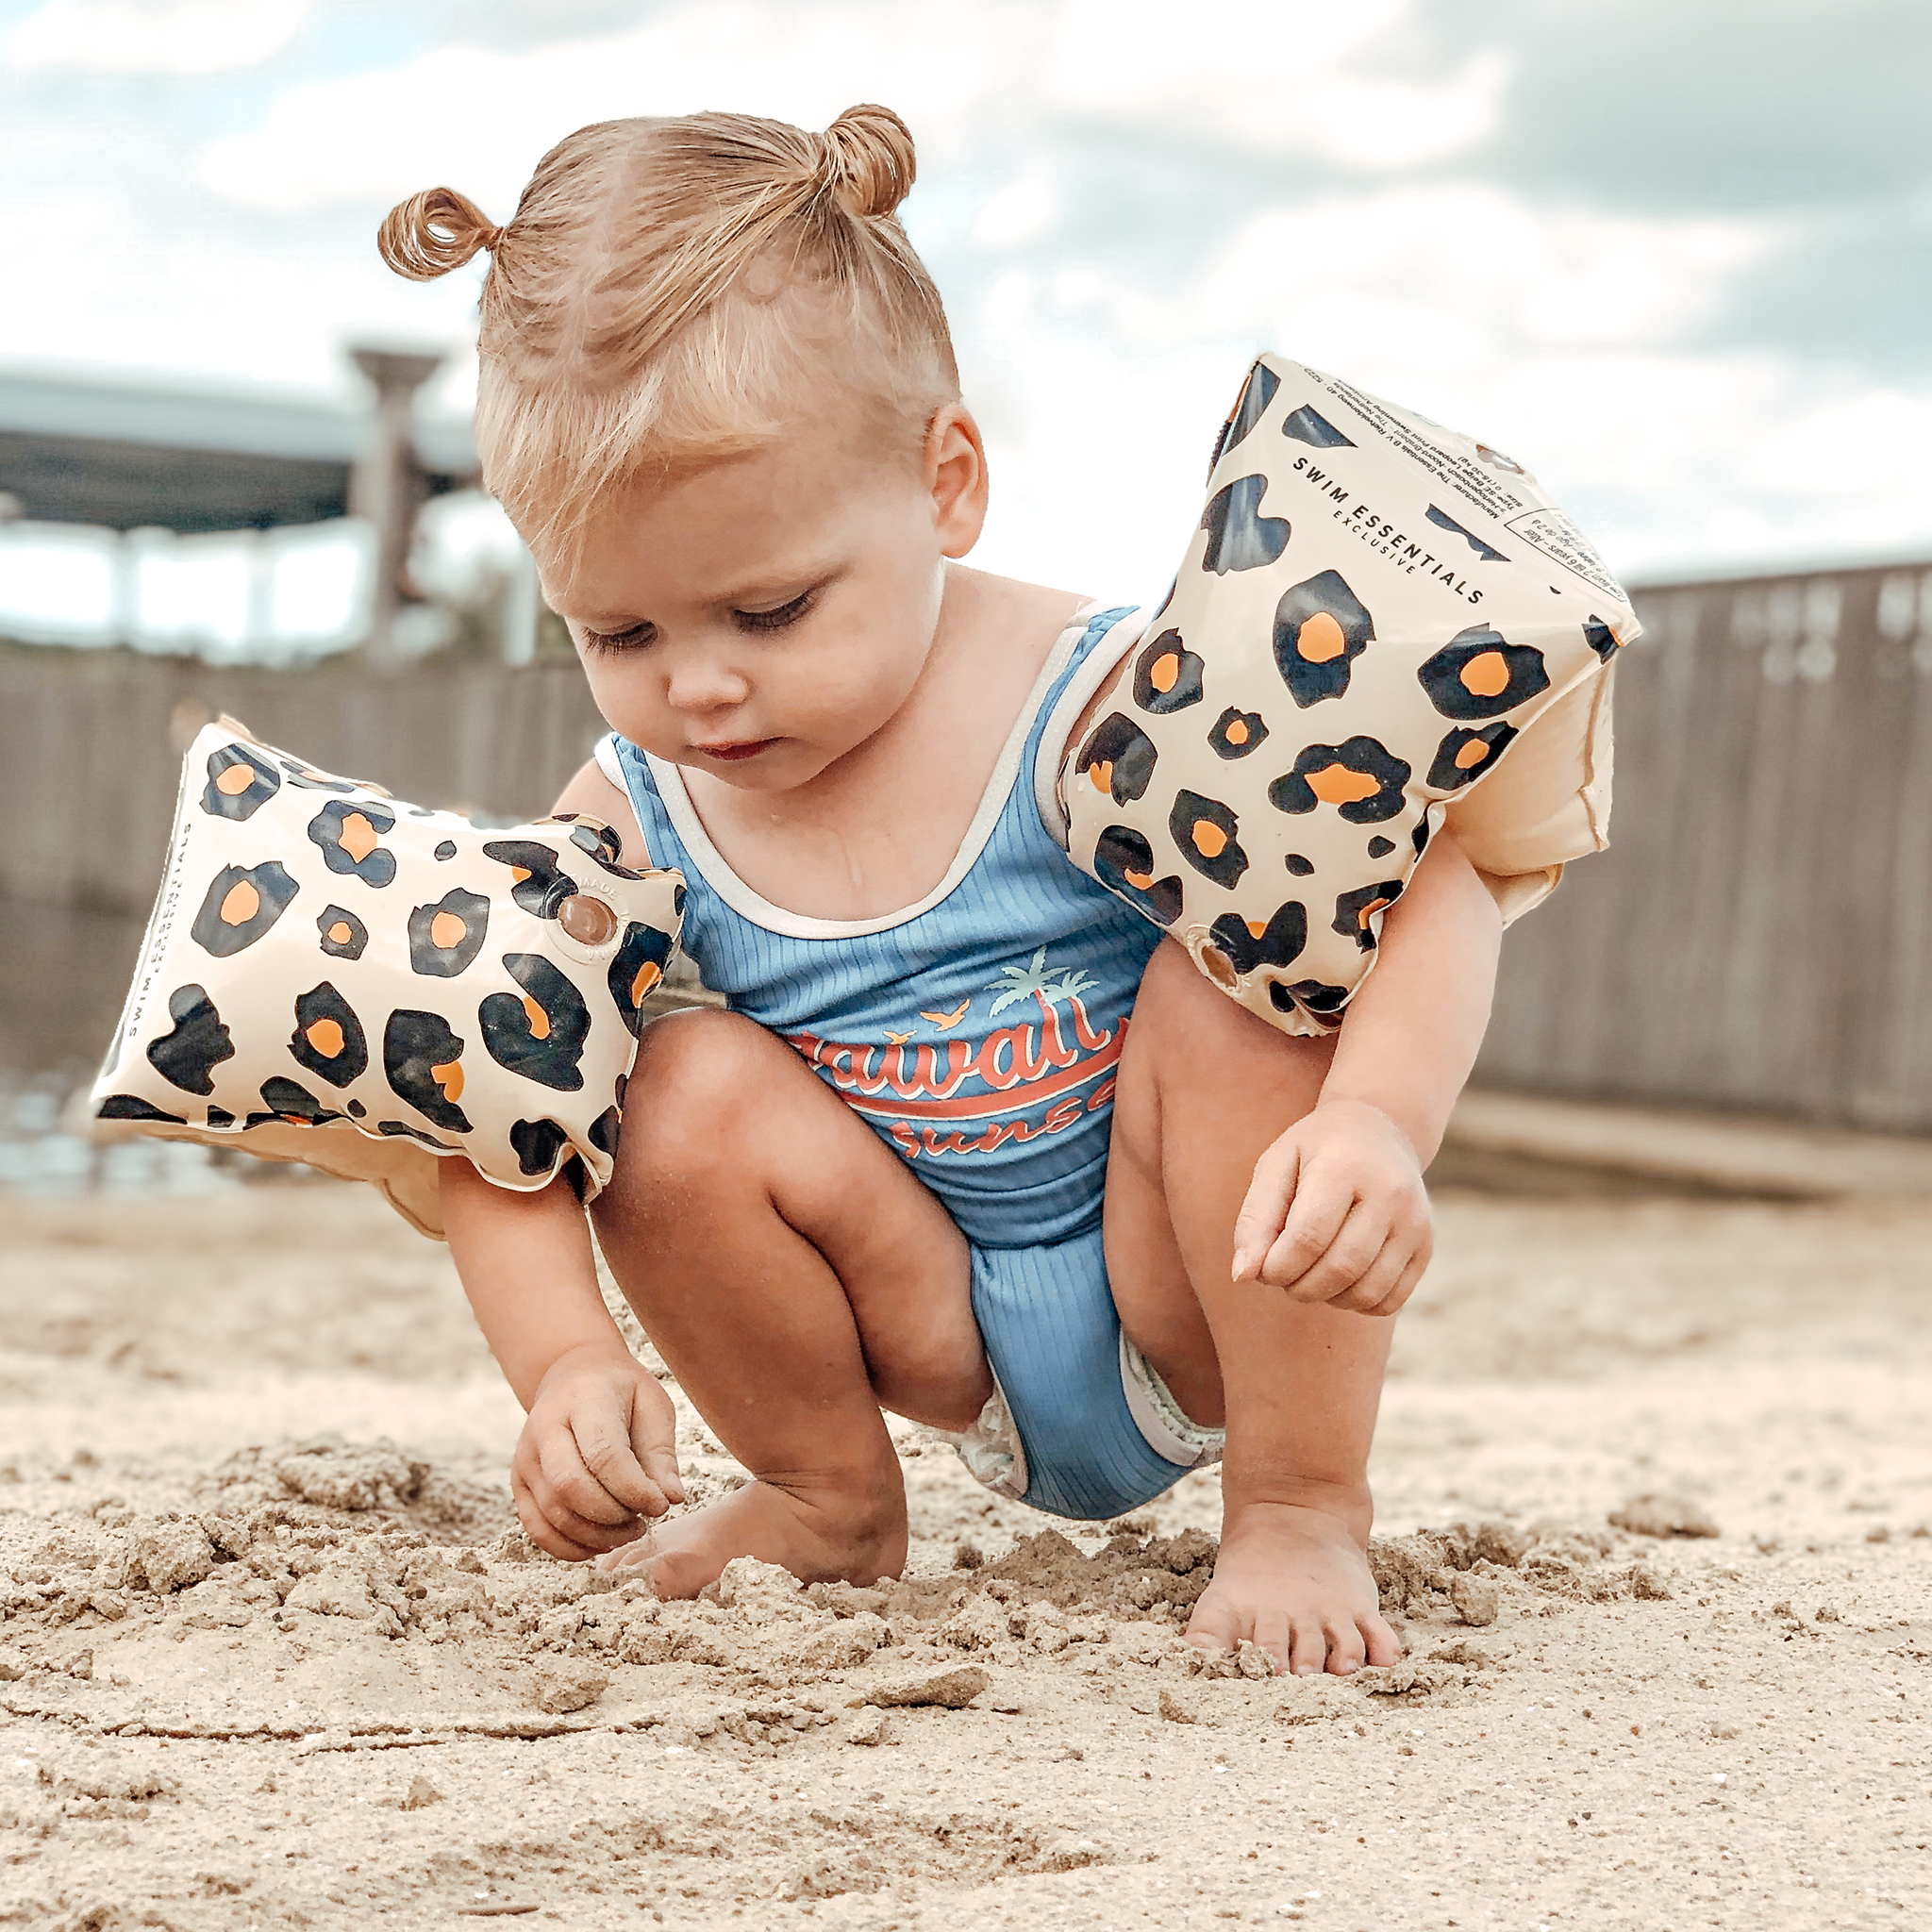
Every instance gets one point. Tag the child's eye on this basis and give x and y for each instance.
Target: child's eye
(775, 620)
(639, 634)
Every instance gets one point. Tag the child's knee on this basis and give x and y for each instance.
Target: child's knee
(692, 1096)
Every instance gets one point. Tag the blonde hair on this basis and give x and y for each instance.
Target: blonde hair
(667, 291)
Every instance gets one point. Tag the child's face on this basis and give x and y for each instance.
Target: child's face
(761, 617)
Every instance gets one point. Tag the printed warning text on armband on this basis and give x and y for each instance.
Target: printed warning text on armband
(1479, 487)
(1557, 537)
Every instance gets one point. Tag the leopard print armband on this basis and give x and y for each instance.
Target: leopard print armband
(335, 977)
(1370, 612)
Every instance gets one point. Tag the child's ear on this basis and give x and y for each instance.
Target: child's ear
(955, 472)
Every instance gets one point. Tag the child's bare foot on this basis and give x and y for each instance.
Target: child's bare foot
(819, 1538)
(1294, 1580)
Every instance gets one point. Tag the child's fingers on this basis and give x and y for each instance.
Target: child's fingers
(544, 1534)
(604, 1443)
(1330, 1239)
(1264, 1207)
(660, 1465)
(1405, 1287)
(567, 1480)
(1377, 1281)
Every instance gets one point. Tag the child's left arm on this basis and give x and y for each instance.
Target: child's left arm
(1337, 1211)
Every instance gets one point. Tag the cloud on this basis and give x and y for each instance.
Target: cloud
(160, 37)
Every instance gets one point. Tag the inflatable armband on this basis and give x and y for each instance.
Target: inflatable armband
(1379, 625)
(332, 976)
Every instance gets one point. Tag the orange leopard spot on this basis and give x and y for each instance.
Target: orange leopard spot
(449, 1076)
(235, 780)
(1321, 641)
(340, 934)
(539, 1019)
(1486, 675)
(1236, 733)
(325, 1037)
(446, 930)
(1139, 881)
(359, 837)
(1100, 771)
(518, 873)
(648, 976)
(1338, 785)
(1165, 674)
(240, 905)
(1375, 906)
(1210, 841)
(1258, 927)
(1473, 753)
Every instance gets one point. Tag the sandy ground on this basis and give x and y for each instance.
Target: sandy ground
(273, 1653)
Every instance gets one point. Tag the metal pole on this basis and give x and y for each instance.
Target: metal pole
(383, 484)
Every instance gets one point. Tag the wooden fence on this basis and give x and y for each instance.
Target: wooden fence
(1759, 937)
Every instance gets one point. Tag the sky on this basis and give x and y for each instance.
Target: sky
(1674, 255)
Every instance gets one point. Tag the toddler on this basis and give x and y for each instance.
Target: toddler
(969, 1143)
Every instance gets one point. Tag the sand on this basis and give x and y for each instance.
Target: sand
(274, 1652)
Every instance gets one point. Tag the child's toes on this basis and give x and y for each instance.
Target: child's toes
(1308, 1648)
(1384, 1646)
(1214, 1625)
(1348, 1649)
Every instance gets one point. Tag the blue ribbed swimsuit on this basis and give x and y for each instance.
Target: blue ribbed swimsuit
(977, 1034)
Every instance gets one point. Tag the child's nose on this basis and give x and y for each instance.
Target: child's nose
(696, 683)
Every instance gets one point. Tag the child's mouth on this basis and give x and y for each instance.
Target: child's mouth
(747, 748)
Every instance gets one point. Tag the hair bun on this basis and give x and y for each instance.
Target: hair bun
(870, 160)
(434, 232)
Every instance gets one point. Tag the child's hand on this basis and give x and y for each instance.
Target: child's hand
(1337, 1212)
(598, 1452)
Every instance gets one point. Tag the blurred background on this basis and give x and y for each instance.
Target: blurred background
(1675, 256)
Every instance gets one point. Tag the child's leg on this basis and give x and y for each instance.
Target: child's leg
(1204, 1087)
(794, 1276)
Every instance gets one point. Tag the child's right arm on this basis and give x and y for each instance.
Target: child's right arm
(598, 1452)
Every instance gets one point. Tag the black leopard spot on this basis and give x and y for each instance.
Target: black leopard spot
(356, 1110)
(310, 779)
(187, 1056)
(350, 837)
(1203, 828)
(603, 845)
(1123, 862)
(1464, 756)
(602, 1130)
(1249, 944)
(537, 1145)
(1307, 424)
(446, 848)
(129, 1107)
(1238, 537)
(420, 1059)
(1249, 407)
(239, 783)
(1380, 847)
(1321, 628)
(1299, 866)
(445, 938)
(537, 883)
(1167, 676)
(1601, 638)
(1356, 912)
(1478, 675)
(220, 1117)
(241, 904)
(328, 1037)
(1236, 734)
(396, 1130)
(1443, 521)
(540, 1036)
(635, 970)
(1311, 998)
(291, 1102)
(1119, 758)
(1422, 835)
(343, 935)
(1360, 776)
